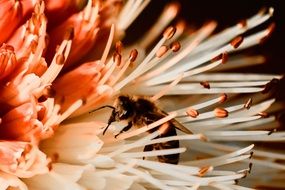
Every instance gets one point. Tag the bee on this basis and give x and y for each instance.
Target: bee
(140, 111)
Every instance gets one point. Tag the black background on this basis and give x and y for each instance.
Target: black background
(226, 13)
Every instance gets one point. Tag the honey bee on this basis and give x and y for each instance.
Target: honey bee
(140, 111)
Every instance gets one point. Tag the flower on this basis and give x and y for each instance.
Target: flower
(55, 72)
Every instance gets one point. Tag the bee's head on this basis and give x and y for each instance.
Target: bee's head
(124, 108)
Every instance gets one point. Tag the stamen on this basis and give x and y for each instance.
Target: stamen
(199, 106)
(175, 46)
(132, 58)
(117, 59)
(223, 98)
(232, 77)
(203, 68)
(222, 56)
(205, 84)
(237, 41)
(248, 103)
(153, 153)
(54, 69)
(69, 111)
(183, 89)
(60, 59)
(108, 44)
(109, 72)
(137, 143)
(148, 178)
(270, 85)
(140, 69)
(270, 29)
(133, 55)
(119, 47)
(178, 137)
(167, 88)
(228, 34)
(215, 124)
(205, 170)
(243, 23)
(169, 13)
(204, 32)
(263, 114)
(221, 160)
(169, 32)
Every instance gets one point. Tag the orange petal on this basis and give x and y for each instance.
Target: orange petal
(59, 10)
(22, 159)
(19, 122)
(8, 61)
(19, 90)
(85, 25)
(12, 13)
(78, 83)
(30, 40)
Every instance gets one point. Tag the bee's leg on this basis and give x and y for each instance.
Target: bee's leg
(147, 148)
(130, 124)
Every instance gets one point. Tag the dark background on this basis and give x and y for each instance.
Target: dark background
(227, 13)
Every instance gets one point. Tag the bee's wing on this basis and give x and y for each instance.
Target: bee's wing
(178, 125)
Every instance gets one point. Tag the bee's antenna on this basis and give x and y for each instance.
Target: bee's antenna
(106, 106)
(106, 128)
(111, 120)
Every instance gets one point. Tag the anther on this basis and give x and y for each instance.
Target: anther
(49, 166)
(248, 104)
(169, 32)
(223, 56)
(237, 41)
(133, 55)
(60, 59)
(203, 138)
(175, 46)
(221, 112)
(161, 51)
(263, 114)
(270, 85)
(33, 46)
(204, 170)
(205, 84)
(223, 98)
(119, 47)
(192, 112)
(69, 34)
(8, 47)
(84, 100)
(242, 23)
(117, 58)
(270, 30)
